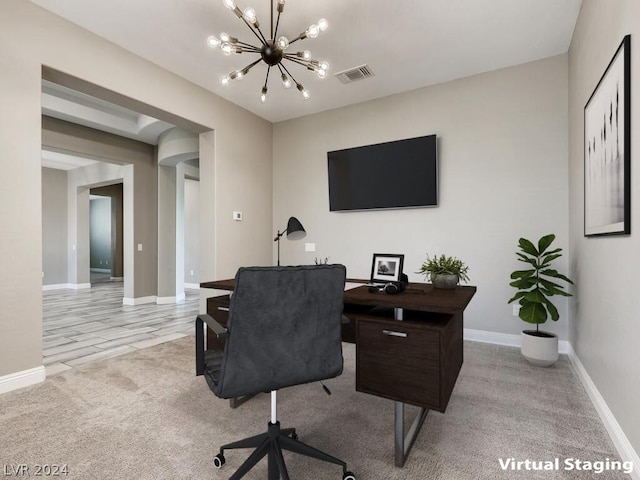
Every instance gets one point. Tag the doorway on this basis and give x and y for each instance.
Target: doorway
(99, 239)
(106, 261)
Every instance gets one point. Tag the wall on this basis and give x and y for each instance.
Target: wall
(605, 328)
(503, 175)
(32, 38)
(176, 147)
(54, 226)
(191, 232)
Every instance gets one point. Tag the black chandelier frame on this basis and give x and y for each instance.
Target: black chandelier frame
(271, 51)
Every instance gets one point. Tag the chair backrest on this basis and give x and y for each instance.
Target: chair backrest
(284, 328)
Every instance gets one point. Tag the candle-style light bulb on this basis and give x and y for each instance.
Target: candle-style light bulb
(313, 31)
(226, 48)
(283, 43)
(286, 81)
(213, 41)
(306, 55)
(249, 15)
(305, 93)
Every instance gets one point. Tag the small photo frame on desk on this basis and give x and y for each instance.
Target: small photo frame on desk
(386, 267)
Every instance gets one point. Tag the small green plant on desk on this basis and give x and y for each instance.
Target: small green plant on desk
(320, 261)
(444, 271)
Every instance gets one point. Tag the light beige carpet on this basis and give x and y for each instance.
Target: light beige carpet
(144, 415)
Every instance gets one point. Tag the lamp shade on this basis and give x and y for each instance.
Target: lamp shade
(295, 230)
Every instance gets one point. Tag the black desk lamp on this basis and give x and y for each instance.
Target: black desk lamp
(294, 231)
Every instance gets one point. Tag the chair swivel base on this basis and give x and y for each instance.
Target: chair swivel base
(272, 443)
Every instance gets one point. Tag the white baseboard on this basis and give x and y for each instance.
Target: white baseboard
(192, 286)
(22, 379)
(56, 286)
(139, 300)
(66, 286)
(618, 437)
(170, 300)
(507, 339)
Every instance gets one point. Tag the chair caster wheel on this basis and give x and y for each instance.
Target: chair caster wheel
(219, 460)
(348, 476)
(294, 436)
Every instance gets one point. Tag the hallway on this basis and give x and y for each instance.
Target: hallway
(82, 326)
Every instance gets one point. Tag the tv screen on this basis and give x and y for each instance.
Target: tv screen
(398, 174)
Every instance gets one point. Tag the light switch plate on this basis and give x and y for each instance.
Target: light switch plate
(237, 216)
(309, 247)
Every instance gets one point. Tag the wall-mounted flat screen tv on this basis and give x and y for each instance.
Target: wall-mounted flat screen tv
(399, 174)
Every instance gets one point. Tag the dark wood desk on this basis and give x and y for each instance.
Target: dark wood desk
(408, 346)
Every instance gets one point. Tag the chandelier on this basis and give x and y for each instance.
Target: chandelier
(272, 52)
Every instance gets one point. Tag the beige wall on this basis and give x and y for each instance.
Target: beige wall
(502, 139)
(236, 173)
(191, 231)
(605, 328)
(54, 226)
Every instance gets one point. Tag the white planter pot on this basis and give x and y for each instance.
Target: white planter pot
(539, 350)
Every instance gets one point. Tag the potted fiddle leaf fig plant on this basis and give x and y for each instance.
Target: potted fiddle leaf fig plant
(444, 271)
(535, 286)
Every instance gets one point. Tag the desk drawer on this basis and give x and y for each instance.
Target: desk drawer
(399, 361)
(396, 338)
(218, 308)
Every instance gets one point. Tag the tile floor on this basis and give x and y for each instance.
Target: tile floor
(81, 326)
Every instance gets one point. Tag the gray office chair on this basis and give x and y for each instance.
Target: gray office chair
(284, 329)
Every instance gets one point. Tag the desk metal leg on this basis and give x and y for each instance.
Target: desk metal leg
(237, 401)
(404, 444)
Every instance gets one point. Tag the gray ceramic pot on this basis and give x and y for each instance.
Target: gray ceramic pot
(441, 280)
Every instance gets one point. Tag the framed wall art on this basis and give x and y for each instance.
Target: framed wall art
(607, 149)
(386, 267)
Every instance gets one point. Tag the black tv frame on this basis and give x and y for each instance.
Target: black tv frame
(382, 157)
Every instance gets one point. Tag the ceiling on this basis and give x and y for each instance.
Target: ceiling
(76, 107)
(407, 44)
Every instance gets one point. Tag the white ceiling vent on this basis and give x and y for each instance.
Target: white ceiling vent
(354, 74)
